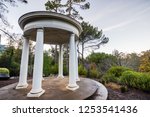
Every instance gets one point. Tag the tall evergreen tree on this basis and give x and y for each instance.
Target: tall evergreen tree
(67, 8)
(91, 38)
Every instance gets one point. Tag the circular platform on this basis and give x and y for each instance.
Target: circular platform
(55, 89)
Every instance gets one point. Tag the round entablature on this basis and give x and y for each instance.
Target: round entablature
(57, 27)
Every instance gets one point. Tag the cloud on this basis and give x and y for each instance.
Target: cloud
(125, 23)
(118, 25)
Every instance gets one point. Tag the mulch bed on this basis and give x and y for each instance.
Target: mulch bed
(132, 94)
(7, 82)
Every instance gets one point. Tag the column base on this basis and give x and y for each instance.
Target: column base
(78, 79)
(60, 76)
(38, 94)
(20, 86)
(73, 87)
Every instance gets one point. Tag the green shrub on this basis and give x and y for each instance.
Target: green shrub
(118, 70)
(14, 69)
(54, 69)
(82, 71)
(136, 80)
(114, 74)
(130, 78)
(65, 70)
(4, 71)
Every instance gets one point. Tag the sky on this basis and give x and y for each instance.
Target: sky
(125, 22)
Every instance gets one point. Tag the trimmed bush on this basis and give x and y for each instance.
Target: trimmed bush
(4, 71)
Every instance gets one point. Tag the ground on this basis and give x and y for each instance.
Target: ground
(113, 91)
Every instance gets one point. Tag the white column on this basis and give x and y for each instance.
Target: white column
(72, 60)
(60, 62)
(37, 90)
(76, 57)
(24, 66)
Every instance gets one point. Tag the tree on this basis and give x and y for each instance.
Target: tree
(68, 7)
(127, 60)
(54, 6)
(102, 61)
(91, 38)
(4, 8)
(119, 56)
(133, 61)
(7, 60)
(145, 61)
(4, 24)
(74, 13)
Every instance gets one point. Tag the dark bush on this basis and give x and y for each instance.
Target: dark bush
(123, 89)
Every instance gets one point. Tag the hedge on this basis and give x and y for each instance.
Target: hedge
(4, 71)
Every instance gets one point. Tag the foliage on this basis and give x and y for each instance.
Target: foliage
(54, 69)
(136, 80)
(127, 60)
(68, 7)
(47, 64)
(4, 71)
(82, 70)
(145, 62)
(114, 74)
(11, 59)
(54, 6)
(94, 73)
(102, 60)
(72, 12)
(14, 68)
(65, 70)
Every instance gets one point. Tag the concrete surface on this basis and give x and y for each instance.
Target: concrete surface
(55, 89)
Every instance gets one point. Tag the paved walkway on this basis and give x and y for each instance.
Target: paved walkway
(55, 89)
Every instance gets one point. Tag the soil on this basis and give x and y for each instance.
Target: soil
(113, 94)
(131, 94)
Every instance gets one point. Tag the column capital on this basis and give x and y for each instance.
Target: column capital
(26, 36)
(40, 29)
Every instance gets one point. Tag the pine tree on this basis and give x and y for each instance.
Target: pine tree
(68, 8)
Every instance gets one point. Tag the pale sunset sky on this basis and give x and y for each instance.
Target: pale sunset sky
(125, 22)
